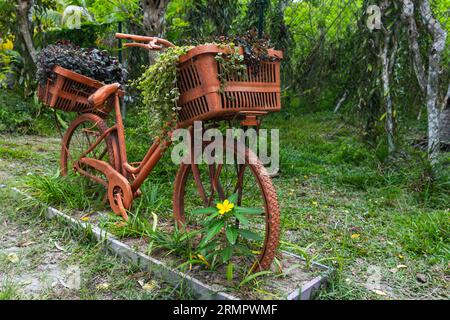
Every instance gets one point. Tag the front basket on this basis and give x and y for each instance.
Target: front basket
(201, 98)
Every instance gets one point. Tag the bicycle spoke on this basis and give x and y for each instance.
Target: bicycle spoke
(198, 182)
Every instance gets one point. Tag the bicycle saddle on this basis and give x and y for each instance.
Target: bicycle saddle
(99, 97)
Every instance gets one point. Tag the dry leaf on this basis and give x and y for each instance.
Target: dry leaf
(64, 284)
(120, 223)
(59, 247)
(401, 266)
(13, 258)
(421, 278)
(26, 243)
(102, 286)
(149, 286)
(379, 292)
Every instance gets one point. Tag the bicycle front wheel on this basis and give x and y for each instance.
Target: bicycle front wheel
(201, 185)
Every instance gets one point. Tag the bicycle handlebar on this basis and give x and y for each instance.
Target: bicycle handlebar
(152, 43)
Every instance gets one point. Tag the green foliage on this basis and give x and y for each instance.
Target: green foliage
(58, 190)
(222, 240)
(201, 18)
(21, 115)
(8, 19)
(8, 289)
(230, 65)
(116, 10)
(8, 76)
(425, 234)
(87, 36)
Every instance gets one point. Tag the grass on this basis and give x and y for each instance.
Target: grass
(342, 203)
(8, 290)
(23, 115)
(102, 275)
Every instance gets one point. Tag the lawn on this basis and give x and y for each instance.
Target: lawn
(380, 222)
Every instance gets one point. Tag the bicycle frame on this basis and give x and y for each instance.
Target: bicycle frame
(126, 177)
(123, 175)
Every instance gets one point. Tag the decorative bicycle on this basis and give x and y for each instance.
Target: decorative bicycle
(98, 152)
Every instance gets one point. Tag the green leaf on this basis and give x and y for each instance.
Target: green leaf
(241, 218)
(204, 210)
(212, 217)
(244, 249)
(227, 253)
(249, 210)
(250, 235)
(253, 276)
(233, 198)
(213, 230)
(230, 269)
(232, 234)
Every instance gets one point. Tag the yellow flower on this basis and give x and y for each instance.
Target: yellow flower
(225, 207)
(6, 45)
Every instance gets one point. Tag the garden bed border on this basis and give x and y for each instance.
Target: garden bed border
(162, 271)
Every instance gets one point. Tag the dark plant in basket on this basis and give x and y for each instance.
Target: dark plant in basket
(93, 63)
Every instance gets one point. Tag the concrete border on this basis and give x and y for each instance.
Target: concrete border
(146, 263)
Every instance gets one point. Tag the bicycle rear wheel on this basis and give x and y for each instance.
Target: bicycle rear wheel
(202, 185)
(79, 137)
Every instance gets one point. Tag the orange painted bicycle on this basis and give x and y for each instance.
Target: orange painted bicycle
(92, 148)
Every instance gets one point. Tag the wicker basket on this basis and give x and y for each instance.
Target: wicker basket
(70, 91)
(199, 85)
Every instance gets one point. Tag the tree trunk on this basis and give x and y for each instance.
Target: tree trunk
(387, 65)
(154, 12)
(444, 124)
(439, 36)
(24, 26)
(385, 77)
(408, 17)
(340, 102)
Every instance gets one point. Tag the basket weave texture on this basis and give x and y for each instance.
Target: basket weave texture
(202, 99)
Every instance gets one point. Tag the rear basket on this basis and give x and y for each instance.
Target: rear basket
(69, 91)
(199, 86)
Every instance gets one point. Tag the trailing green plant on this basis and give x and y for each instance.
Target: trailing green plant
(256, 50)
(158, 84)
(160, 93)
(230, 65)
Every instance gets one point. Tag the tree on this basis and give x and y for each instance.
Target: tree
(25, 28)
(439, 38)
(388, 50)
(153, 19)
(429, 83)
